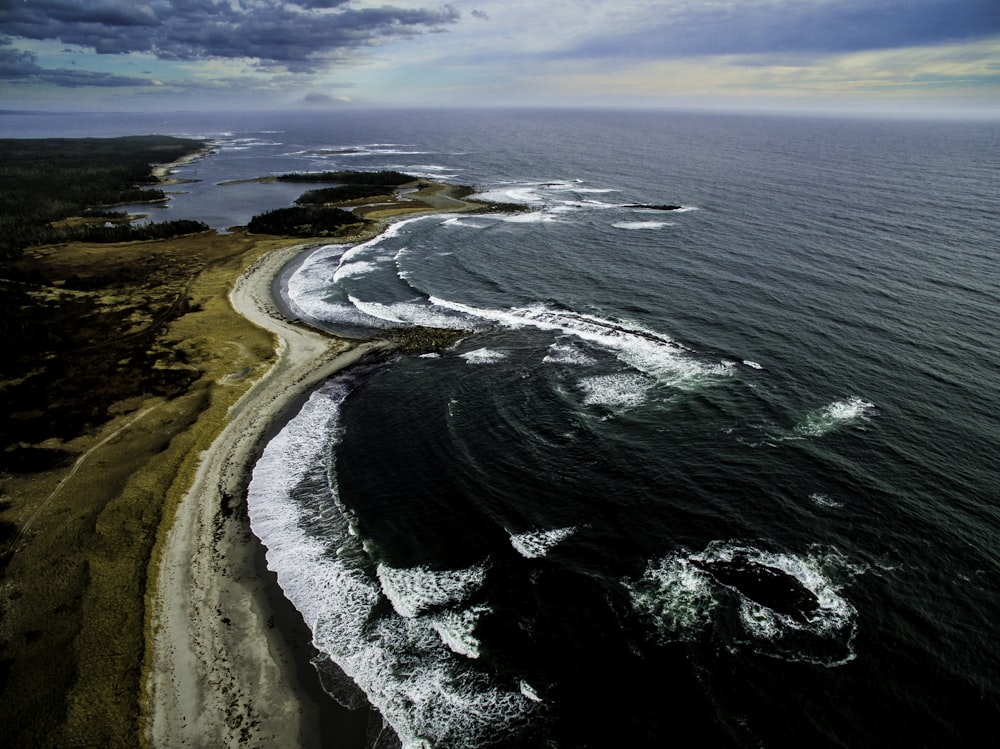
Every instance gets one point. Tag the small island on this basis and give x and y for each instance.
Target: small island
(141, 375)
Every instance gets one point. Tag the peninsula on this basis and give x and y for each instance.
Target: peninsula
(144, 377)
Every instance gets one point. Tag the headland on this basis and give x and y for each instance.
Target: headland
(136, 610)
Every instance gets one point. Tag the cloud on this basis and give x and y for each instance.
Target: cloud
(17, 65)
(301, 35)
(722, 27)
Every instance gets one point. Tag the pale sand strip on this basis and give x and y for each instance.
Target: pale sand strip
(221, 675)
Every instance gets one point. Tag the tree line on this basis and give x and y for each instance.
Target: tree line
(312, 216)
(46, 180)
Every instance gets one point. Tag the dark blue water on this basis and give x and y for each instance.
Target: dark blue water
(719, 476)
(722, 475)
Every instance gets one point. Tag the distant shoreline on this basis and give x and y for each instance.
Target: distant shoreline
(162, 172)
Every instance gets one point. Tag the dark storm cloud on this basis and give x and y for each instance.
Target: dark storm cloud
(319, 3)
(299, 34)
(689, 29)
(21, 66)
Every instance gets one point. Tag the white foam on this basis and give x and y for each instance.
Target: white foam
(469, 223)
(414, 590)
(484, 356)
(535, 544)
(357, 268)
(550, 198)
(528, 691)
(533, 217)
(431, 167)
(835, 415)
(409, 313)
(681, 599)
(457, 629)
(576, 205)
(824, 500)
(675, 595)
(563, 353)
(833, 612)
(391, 231)
(428, 694)
(422, 687)
(370, 149)
(360, 259)
(627, 389)
(649, 352)
(310, 577)
(308, 287)
(427, 171)
(521, 193)
(640, 225)
(310, 296)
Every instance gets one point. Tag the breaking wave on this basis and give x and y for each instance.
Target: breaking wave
(651, 353)
(841, 413)
(535, 544)
(415, 660)
(787, 606)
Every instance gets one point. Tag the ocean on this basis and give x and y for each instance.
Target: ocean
(719, 475)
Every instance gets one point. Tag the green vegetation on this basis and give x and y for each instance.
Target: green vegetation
(44, 181)
(117, 374)
(97, 334)
(304, 221)
(384, 177)
(342, 194)
(313, 215)
(122, 232)
(56, 190)
(129, 383)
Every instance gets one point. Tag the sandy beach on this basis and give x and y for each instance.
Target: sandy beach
(135, 607)
(219, 674)
(218, 671)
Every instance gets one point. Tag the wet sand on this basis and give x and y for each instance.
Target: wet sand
(221, 672)
(226, 662)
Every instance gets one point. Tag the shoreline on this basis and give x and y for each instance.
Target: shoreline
(134, 607)
(162, 173)
(225, 649)
(333, 724)
(220, 672)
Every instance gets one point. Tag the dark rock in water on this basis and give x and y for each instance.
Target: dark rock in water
(655, 206)
(768, 586)
(424, 339)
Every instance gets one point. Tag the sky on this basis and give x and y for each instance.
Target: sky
(919, 56)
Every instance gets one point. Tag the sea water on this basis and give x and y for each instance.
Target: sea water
(720, 475)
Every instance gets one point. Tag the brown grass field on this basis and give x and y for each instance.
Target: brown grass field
(102, 442)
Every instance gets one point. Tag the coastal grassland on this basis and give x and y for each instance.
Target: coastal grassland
(122, 362)
(172, 356)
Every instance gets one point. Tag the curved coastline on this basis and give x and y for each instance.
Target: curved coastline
(137, 608)
(219, 673)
